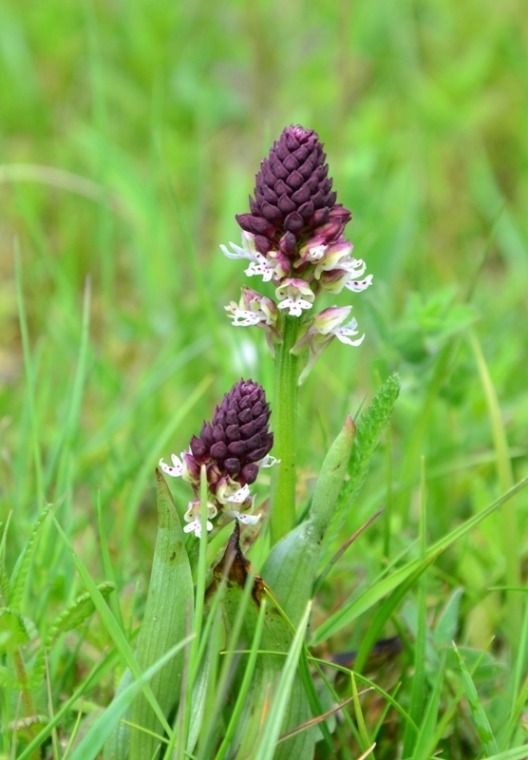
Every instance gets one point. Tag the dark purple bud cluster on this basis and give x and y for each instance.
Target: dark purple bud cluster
(293, 194)
(238, 437)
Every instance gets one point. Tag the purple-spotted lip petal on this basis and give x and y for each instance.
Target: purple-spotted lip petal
(176, 470)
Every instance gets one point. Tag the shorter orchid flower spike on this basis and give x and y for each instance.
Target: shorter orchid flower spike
(231, 448)
(295, 294)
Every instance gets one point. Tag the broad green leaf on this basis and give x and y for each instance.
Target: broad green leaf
(169, 606)
(280, 704)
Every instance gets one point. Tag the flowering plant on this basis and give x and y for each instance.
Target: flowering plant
(292, 237)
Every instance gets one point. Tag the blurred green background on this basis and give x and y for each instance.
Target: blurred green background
(130, 135)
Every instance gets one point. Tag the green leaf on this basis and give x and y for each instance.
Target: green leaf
(167, 612)
(447, 625)
(426, 741)
(517, 753)
(478, 713)
(13, 630)
(73, 616)
(113, 628)
(21, 569)
(265, 748)
(369, 429)
(291, 566)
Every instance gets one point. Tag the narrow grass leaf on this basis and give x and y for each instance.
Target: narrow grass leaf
(425, 743)
(447, 625)
(418, 688)
(517, 753)
(365, 739)
(476, 707)
(98, 672)
(30, 375)
(265, 747)
(508, 525)
(169, 605)
(244, 687)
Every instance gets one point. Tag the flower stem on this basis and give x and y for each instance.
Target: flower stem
(282, 497)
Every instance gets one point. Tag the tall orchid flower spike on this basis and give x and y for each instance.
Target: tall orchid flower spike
(232, 447)
(294, 237)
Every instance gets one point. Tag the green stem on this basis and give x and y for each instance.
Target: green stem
(284, 426)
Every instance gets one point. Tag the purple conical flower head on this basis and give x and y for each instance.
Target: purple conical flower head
(237, 437)
(293, 194)
(232, 448)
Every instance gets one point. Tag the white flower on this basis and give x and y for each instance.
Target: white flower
(176, 470)
(259, 264)
(358, 285)
(244, 317)
(230, 492)
(248, 250)
(242, 517)
(196, 526)
(294, 294)
(319, 332)
(332, 257)
(268, 461)
(253, 309)
(315, 253)
(346, 274)
(193, 518)
(261, 267)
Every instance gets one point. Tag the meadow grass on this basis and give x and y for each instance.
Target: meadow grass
(130, 135)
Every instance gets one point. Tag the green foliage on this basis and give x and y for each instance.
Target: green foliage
(368, 431)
